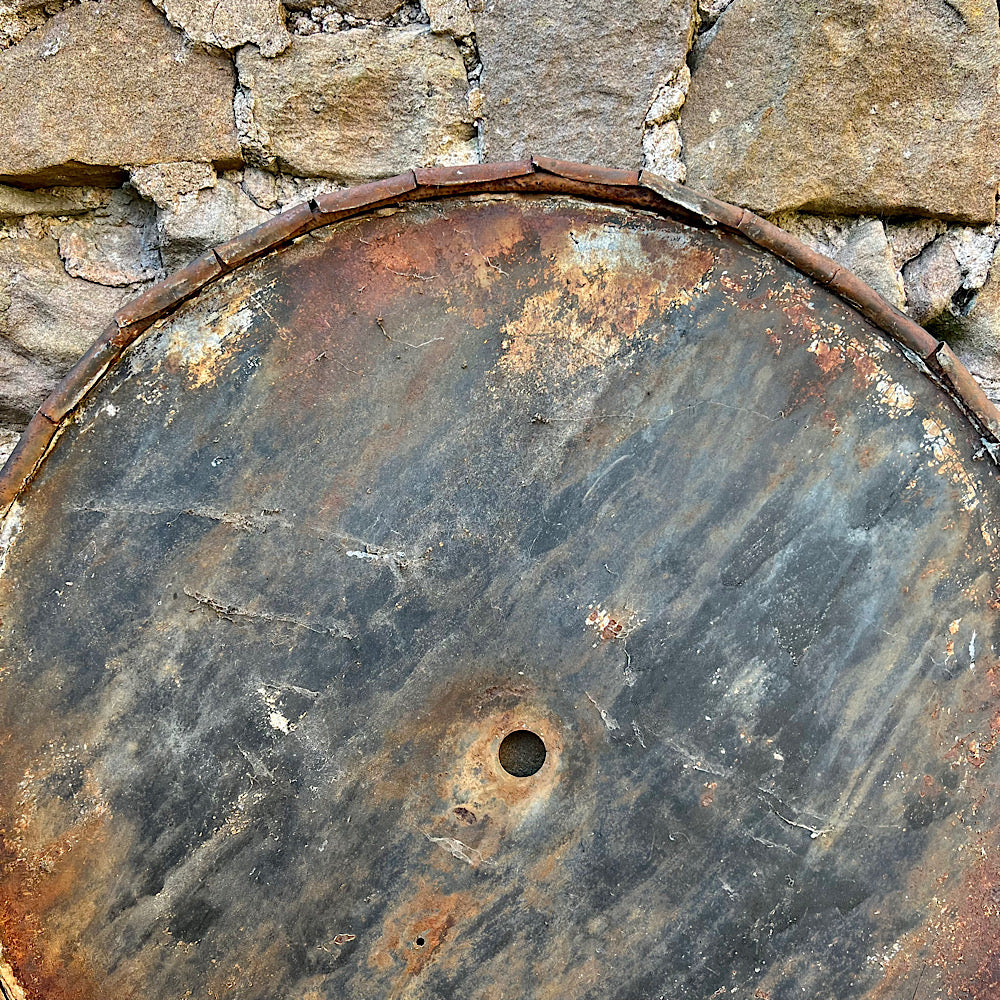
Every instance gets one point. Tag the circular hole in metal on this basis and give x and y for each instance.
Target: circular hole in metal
(522, 753)
(420, 942)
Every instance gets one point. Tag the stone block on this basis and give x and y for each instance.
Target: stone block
(229, 24)
(358, 104)
(108, 83)
(574, 79)
(858, 106)
(47, 320)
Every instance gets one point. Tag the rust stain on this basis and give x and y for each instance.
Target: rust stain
(609, 627)
(201, 343)
(414, 933)
(960, 941)
(601, 291)
(51, 850)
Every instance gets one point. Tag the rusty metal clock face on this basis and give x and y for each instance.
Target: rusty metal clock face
(504, 597)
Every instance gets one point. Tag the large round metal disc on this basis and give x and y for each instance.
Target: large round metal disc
(640, 492)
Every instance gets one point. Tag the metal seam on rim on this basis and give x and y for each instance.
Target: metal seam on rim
(538, 175)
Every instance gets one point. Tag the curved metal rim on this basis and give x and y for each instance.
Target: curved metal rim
(537, 175)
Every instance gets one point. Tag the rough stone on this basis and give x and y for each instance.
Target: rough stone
(932, 280)
(450, 17)
(369, 10)
(24, 383)
(709, 11)
(163, 183)
(16, 202)
(275, 192)
(109, 83)
(907, 239)
(662, 151)
(662, 148)
(574, 79)
(47, 320)
(203, 219)
(860, 245)
(943, 280)
(18, 17)
(972, 331)
(228, 24)
(859, 106)
(306, 18)
(8, 442)
(116, 246)
(357, 104)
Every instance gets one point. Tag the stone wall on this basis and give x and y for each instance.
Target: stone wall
(134, 136)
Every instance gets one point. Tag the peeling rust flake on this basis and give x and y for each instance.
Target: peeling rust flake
(498, 594)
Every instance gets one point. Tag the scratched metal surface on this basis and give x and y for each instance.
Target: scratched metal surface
(362, 508)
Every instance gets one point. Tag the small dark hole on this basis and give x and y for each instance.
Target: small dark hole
(420, 942)
(522, 753)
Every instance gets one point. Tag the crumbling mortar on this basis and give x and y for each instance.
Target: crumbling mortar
(469, 50)
(662, 146)
(328, 19)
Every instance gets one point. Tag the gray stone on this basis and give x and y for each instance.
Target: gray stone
(932, 280)
(9, 437)
(357, 104)
(109, 83)
(229, 24)
(24, 383)
(574, 79)
(47, 320)
(709, 11)
(943, 280)
(116, 246)
(662, 151)
(859, 106)
(866, 252)
(276, 192)
(907, 239)
(163, 183)
(972, 331)
(860, 245)
(203, 219)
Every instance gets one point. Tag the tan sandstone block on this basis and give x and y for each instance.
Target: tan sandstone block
(855, 106)
(106, 84)
(358, 104)
(229, 24)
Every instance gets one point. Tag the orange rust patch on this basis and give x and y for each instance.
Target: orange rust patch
(960, 940)
(417, 930)
(51, 850)
(40, 908)
(830, 359)
(619, 625)
(602, 291)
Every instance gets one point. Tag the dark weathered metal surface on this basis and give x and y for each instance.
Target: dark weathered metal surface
(340, 523)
